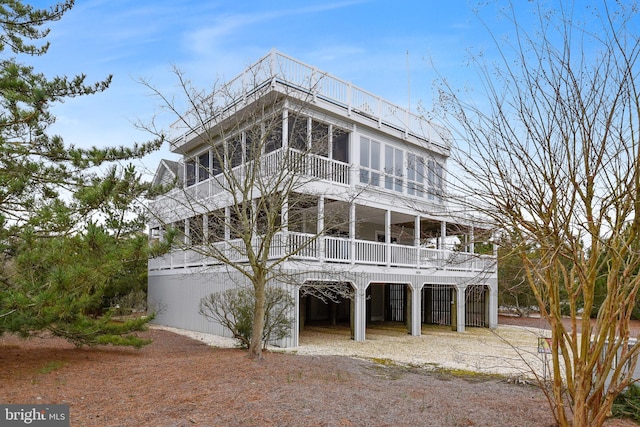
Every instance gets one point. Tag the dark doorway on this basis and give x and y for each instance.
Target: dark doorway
(325, 303)
(437, 302)
(477, 306)
(387, 302)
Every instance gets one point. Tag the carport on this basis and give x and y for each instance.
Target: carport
(326, 304)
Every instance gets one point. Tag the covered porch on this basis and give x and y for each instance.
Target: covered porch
(366, 308)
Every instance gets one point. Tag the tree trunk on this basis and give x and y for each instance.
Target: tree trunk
(255, 348)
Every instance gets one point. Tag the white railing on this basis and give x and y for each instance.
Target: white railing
(336, 249)
(273, 165)
(405, 256)
(302, 246)
(277, 67)
(368, 252)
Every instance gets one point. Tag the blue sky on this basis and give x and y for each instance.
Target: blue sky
(361, 41)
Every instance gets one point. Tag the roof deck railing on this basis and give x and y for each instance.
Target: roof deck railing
(277, 68)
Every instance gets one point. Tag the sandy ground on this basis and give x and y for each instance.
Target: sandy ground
(181, 379)
(508, 350)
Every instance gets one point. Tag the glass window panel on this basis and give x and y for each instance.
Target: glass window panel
(190, 172)
(297, 126)
(196, 230)
(388, 159)
(411, 167)
(419, 169)
(431, 172)
(234, 152)
(399, 161)
(375, 155)
(340, 145)
(375, 179)
(217, 162)
(388, 167)
(203, 166)
(217, 167)
(252, 146)
(274, 135)
(398, 186)
(215, 224)
(320, 138)
(364, 176)
(364, 152)
(388, 182)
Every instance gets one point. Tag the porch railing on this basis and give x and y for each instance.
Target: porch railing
(304, 166)
(312, 248)
(275, 67)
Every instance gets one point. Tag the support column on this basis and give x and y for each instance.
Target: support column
(320, 229)
(472, 248)
(284, 215)
(227, 218)
(387, 237)
(416, 321)
(352, 232)
(205, 229)
(359, 313)
(416, 239)
(285, 246)
(285, 127)
(460, 308)
(354, 150)
(443, 234)
(493, 305)
(298, 326)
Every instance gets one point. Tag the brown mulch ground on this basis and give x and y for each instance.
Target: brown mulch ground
(177, 381)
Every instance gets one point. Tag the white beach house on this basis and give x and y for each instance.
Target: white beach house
(376, 218)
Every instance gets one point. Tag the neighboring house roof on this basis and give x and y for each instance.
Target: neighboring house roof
(168, 172)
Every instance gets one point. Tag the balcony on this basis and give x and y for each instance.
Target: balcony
(305, 168)
(336, 250)
(273, 166)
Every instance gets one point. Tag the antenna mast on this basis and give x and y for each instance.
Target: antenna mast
(408, 83)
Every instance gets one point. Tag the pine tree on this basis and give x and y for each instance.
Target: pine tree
(69, 238)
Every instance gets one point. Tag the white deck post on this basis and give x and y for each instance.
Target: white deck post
(284, 215)
(227, 229)
(461, 303)
(285, 245)
(387, 237)
(493, 306)
(416, 238)
(295, 331)
(354, 153)
(320, 229)
(352, 232)
(360, 313)
(285, 128)
(443, 234)
(205, 229)
(416, 326)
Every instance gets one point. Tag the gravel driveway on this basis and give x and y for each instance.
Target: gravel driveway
(507, 350)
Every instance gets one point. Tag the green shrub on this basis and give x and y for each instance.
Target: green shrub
(234, 308)
(133, 302)
(627, 404)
